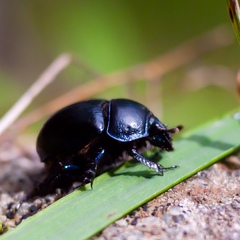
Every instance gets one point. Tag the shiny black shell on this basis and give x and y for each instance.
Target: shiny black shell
(75, 126)
(127, 120)
(71, 128)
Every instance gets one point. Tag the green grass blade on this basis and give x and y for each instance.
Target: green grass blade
(234, 13)
(83, 213)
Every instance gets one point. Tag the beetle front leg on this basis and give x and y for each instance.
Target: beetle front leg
(157, 167)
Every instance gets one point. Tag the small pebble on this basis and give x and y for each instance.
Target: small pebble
(10, 214)
(134, 221)
(33, 208)
(175, 210)
(25, 216)
(178, 218)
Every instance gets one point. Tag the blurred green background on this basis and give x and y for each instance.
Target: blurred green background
(111, 35)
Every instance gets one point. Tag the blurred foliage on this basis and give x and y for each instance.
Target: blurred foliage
(112, 35)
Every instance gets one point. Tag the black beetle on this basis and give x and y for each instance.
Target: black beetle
(80, 140)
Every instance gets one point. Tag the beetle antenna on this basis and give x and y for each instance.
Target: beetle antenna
(175, 130)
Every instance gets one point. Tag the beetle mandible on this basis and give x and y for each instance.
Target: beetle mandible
(81, 139)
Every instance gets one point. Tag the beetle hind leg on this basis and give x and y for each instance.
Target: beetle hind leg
(155, 166)
(51, 182)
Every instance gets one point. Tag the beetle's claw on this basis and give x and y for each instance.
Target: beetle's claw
(91, 184)
(88, 180)
(89, 177)
(159, 169)
(171, 167)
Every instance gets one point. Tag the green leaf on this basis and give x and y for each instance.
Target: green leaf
(85, 212)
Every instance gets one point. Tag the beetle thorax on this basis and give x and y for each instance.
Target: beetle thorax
(127, 120)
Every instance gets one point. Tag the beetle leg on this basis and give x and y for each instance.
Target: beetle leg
(91, 172)
(157, 167)
(99, 157)
(48, 185)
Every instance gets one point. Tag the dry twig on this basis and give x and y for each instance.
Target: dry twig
(152, 70)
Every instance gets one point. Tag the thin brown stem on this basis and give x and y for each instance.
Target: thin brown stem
(44, 80)
(180, 56)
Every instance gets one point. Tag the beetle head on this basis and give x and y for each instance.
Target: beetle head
(160, 136)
